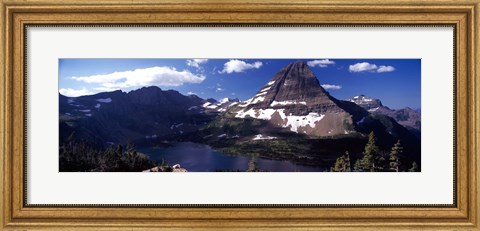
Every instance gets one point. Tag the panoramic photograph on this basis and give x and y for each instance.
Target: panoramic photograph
(239, 115)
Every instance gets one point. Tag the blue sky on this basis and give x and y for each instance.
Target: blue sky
(394, 81)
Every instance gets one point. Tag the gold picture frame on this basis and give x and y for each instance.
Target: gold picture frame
(16, 15)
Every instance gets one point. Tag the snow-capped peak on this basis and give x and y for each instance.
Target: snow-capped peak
(366, 102)
(224, 100)
(361, 98)
(221, 105)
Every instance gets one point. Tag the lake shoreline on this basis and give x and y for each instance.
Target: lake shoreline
(197, 157)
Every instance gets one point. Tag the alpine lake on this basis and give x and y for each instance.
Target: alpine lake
(197, 157)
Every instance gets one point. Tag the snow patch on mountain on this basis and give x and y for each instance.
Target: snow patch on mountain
(151, 137)
(261, 137)
(361, 99)
(265, 89)
(224, 100)
(106, 100)
(242, 114)
(209, 105)
(303, 121)
(261, 93)
(219, 106)
(245, 103)
(288, 102)
(176, 126)
(258, 99)
(293, 121)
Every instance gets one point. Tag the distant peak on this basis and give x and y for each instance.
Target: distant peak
(225, 100)
(366, 101)
(211, 100)
(362, 96)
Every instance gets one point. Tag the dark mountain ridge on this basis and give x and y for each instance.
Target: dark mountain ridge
(120, 117)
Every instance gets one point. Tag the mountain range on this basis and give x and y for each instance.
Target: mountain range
(146, 113)
(409, 118)
(301, 120)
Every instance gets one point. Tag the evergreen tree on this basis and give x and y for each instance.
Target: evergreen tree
(119, 150)
(357, 167)
(414, 167)
(342, 164)
(79, 155)
(338, 167)
(397, 149)
(347, 162)
(372, 160)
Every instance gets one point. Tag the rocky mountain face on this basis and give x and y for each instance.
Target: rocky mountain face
(143, 114)
(293, 99)
(407, 117)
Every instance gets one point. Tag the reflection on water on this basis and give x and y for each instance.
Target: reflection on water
(202, 158)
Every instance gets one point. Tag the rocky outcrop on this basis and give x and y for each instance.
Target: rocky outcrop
(174, 168)
(295, 101)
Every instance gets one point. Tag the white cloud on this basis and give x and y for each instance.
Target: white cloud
(331, 86)
(196, 62)
(320, 63)
(158, 76)
(219, 89)
(74, 93)
(235, 65)
(361, 67)
(191, 93)
(385, 69)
